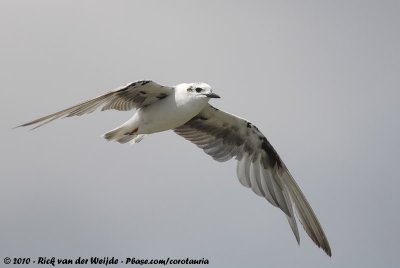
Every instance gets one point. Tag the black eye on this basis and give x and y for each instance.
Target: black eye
(198, 89)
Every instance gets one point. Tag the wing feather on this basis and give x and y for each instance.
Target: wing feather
(224, 136)
(132, 96)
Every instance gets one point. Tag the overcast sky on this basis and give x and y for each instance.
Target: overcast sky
(321, 79)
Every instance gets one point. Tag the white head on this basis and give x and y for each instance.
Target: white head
(195, 91)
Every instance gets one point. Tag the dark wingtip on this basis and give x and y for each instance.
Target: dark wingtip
(326, 248)
(23, 125)
(328, 251)
(26, 125)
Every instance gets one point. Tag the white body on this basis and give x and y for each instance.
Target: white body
(165, 114)
(168, 113)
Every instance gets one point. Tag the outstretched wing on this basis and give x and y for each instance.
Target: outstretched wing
(224, 136)
(132, 96)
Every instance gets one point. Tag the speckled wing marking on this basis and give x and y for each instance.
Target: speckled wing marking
(259, 167)
(132, 96)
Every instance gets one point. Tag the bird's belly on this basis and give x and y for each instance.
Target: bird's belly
(156, 119)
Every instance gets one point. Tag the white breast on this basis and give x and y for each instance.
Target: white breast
(168, 113)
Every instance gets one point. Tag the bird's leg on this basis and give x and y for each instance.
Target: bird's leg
(132, 132)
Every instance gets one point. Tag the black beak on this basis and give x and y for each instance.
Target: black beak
(212, 95)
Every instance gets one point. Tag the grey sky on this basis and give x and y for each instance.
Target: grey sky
(319, 78)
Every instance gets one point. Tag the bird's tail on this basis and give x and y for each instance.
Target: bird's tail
(121, 135)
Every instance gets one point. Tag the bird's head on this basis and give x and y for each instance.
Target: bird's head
(196, 90)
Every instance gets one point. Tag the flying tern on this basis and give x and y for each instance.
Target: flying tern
(185, 110)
